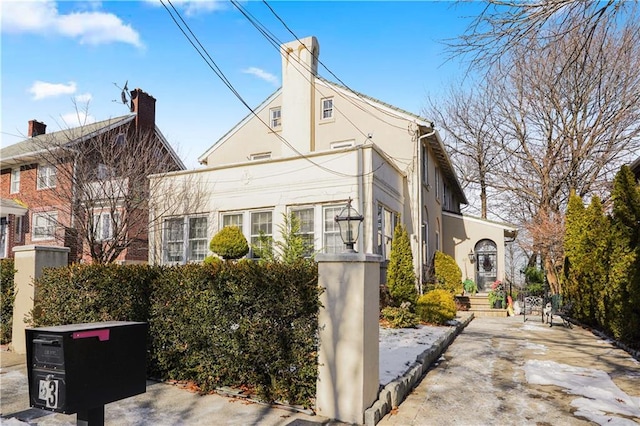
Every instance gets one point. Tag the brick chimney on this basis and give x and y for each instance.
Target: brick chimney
(36, 128)
(144, 105)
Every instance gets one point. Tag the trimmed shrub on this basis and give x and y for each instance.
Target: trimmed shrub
(436, 307)
(7, 295)
(447, 273)
(229, 243)
(400, 317)
(401, 278)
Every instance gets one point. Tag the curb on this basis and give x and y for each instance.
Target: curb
(396, 391)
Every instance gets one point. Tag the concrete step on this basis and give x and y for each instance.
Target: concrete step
(500, 313)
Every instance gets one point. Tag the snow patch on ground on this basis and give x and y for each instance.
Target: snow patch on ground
(537, 348)
(601, 400)
(399, 348)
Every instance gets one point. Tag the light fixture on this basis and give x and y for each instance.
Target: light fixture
(349, 223)
(472, 256)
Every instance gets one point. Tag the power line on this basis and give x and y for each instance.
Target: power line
(216, 69)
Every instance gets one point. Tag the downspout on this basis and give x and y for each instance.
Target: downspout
(420, 179)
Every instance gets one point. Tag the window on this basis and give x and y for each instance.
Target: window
(275, 117)
(232, 219)
(425, 165)
(104, 172)
(305, 217)
(15, 180)
(261, 156)
(437, 182)
(104, 225)
(331, 232)
(445, 196)
(174, 240)
(197, 239)
(44, 225)
(185, 239)
(327, 108)
(18, 234)
(261, 229)
(386, 226)
(46, 177)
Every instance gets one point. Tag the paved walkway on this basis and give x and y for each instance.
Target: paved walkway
(162, 404)
(508, 372)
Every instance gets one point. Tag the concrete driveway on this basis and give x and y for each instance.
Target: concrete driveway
(508, 372)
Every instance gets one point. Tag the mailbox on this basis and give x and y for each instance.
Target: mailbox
(78, 367)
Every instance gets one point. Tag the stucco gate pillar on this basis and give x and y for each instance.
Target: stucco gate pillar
(29, 261)
(348, 376)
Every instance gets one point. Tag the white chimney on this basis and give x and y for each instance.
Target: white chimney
(299, 69)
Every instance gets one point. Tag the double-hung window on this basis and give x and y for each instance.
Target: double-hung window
(46, 176)
(327, 108)
(44, 225)
(105, 225)
(331, 231)
(437, 183)
(232, 219)
(261, 230)
(275, 117)
(386, 225)
(185, 239)
(305, 217)
(15, 180)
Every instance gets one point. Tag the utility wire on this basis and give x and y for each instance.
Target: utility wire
(216, 69)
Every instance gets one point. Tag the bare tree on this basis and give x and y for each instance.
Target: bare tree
(101, 193)
(505, 25)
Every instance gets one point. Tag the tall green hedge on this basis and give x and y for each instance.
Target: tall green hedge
(243, 324)
(7, 296)
(602, 261)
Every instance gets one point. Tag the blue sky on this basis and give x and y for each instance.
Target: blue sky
(56, 52)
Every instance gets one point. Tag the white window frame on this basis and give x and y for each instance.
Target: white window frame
(326, 109)
(15, 180)
(229, 219)
(191, 248)
(254, 231)
(437, 183)
(18, 230)
(307, 228)
(47, 176)
(44, 231)
(275, 117)
(103, 223)
(386, 225)
(331, 241)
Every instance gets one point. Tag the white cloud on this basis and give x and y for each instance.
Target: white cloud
(262, 74)
(89, 27)
(42, 89)
(83, 98)
(195, 7)
(76, 118)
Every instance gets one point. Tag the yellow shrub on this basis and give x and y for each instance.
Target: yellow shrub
(436, 307)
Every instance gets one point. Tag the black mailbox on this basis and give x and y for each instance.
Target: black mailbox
(77, 367)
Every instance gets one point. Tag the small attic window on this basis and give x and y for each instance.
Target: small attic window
(275, 117)
(342, 144)
(260, 156)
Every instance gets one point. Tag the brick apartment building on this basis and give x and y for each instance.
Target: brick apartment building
(60, 188)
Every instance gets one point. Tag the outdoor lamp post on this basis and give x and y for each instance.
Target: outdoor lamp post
(349, 223)
(472, 256)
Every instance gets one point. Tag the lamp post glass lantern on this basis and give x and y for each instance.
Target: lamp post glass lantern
(349, 223)
(472, 256)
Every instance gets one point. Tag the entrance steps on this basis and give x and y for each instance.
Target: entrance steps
(479, 305)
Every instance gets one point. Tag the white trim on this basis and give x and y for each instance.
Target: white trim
(482, 221)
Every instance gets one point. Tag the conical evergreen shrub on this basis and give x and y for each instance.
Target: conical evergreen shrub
(401, 278)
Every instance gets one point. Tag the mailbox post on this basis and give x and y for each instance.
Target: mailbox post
(78, 368)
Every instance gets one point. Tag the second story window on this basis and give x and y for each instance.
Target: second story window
(15, 180)
(46, 176)
(327, 108)
(275, 117)
(44, 225)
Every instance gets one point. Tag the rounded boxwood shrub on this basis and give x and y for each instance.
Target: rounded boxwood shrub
(229, 243)
(436, 307)
(447, 273)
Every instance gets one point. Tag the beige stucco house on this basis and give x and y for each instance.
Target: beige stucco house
(308, 148)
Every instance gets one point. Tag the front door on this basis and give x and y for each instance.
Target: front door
(486, 264)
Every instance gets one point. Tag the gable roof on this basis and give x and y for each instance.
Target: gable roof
(32, 147)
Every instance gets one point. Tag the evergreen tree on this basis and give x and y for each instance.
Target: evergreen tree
(401, 278)
(597, 261)
(292, 247)
(573, 261)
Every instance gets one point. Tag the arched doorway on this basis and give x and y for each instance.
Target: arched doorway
(486, 264)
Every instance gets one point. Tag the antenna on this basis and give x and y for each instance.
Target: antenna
(125, 95)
